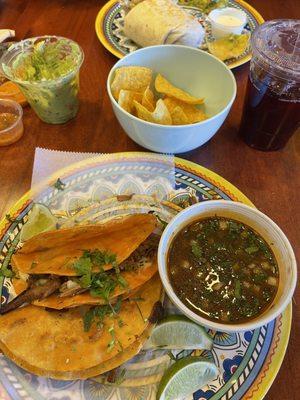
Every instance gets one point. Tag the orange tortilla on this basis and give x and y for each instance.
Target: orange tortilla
(54, 344)
(54, 252)
(133, 278)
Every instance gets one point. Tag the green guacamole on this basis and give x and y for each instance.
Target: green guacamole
(47, 71)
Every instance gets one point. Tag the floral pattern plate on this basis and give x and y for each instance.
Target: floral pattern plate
(110, 21)
(248, 362)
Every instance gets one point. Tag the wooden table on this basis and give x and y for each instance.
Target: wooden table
(270, 180)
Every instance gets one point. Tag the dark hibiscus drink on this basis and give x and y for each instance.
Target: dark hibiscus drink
(272, 105)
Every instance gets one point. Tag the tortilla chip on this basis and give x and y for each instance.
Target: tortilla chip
(231, 46)
(131, 78)
(178, 116)
(165, 87)
(148, 100)
(54, 344)
(134, 280)
(160, 115)
(126, 98)
(192, 113)
(142, 112)
(54, 252)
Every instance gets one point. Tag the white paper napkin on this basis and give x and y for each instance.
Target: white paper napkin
(46, 162)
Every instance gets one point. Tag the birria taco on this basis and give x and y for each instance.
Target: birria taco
(54, 343)
(91, 264)
(86, 299)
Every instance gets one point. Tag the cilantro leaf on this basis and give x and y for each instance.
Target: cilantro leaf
(83, 267)
(196, 250)
(6, 272)
(164, 223)
(97, 314)
(102, 285)
(251, 249)
(59, 185)
(88, 319)
(122, 281)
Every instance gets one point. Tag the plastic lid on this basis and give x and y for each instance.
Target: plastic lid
(277, 42)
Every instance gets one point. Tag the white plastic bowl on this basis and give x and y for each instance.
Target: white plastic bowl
(193, 70)
(262, 224)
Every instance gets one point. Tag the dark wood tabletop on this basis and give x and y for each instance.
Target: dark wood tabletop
(270, 180)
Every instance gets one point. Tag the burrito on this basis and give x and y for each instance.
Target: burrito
(154, 22)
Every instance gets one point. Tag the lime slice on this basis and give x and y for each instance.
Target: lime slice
(39, 220)
(184, 377)
(177, 332)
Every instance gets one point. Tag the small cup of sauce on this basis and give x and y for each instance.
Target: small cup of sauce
(227, 20)
(11, 123)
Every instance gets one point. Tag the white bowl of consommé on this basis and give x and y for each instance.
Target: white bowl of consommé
(227, 266)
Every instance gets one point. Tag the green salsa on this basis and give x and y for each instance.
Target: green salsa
(222, 270)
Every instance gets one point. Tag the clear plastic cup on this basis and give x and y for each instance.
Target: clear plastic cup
(272, 106)
(51, 92)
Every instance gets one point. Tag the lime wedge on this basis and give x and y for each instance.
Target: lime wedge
(39, 220)
(177, 332)
(184, 377)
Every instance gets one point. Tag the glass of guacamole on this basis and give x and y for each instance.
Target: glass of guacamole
(46, 69)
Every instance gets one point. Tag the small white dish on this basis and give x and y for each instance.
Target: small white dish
(262, 224)
(225, 21)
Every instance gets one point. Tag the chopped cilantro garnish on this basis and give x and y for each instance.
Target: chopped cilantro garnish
(83, 266)
(137, 299)
(100, 258)
(237, 289)
(97, 314)
(101, 284)
(196, 250)
(33, 264)
(59, 185)
(122, 281)
(111, 344)
(6, 272)
(120, 378)
(251, 249)
(120, 323)
(164, 223)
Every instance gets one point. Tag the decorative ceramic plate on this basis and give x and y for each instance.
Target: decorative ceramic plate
(110, 21)
(248, 362)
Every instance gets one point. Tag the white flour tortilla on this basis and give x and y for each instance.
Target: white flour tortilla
(154, 22)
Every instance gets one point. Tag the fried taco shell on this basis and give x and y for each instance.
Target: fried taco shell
(134, 279)
(54, 344)
(54, 252)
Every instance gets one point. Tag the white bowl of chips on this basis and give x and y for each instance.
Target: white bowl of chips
(173, 98)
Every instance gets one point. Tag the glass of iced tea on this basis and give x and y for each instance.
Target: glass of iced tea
(272, 105)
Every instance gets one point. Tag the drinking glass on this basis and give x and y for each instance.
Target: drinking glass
(271, 112)
(55, 100)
